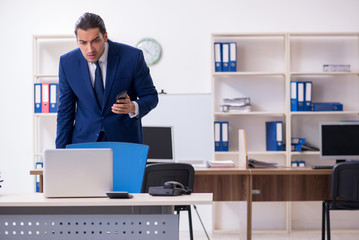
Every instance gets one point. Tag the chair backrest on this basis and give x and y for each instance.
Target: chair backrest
(345, 181)
(129, 162)
(159, 173)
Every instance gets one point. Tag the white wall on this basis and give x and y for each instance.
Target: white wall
(182, 27)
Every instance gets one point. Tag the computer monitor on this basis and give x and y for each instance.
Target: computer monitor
(339, 140)
(160, 141)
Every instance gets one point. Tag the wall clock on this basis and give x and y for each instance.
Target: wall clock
(151, 49)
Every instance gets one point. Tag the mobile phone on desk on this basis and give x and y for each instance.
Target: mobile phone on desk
(115, 194)
(121, 96)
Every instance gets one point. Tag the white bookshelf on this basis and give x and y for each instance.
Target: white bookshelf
(266, 63)
(47, 50)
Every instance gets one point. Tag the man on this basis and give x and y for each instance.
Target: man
(88, 108)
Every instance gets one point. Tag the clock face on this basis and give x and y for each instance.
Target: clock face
(151, 50)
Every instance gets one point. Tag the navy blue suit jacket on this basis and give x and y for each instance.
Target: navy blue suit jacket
(80, 118)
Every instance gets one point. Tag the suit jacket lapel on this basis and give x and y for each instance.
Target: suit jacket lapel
(112, 63)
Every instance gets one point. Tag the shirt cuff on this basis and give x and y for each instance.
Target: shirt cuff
(137, 110)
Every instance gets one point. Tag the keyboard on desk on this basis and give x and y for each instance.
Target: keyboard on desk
(323, 167)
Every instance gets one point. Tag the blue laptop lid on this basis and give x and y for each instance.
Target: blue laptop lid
(129, 162)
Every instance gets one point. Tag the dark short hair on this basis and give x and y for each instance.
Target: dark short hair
(88, 21)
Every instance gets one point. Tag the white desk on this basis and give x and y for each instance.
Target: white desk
(143, 217)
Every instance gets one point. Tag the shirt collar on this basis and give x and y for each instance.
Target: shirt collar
(103, 58)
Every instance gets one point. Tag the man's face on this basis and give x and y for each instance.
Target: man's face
(91, 43)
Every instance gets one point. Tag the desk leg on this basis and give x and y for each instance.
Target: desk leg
(246, 214)
(41, 184)
(245, 209)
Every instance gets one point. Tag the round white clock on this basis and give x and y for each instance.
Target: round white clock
(151, 49)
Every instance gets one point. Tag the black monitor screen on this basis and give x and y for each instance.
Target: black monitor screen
(160, 141)
(339, 140)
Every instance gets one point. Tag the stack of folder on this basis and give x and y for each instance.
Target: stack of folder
(220, 164)
(236, 104)
(221, 131)
(336, 68)
(46, 97)
(261, 164)
(301, 99)
(225, 56)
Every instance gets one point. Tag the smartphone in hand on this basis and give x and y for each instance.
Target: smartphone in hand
(121, 96)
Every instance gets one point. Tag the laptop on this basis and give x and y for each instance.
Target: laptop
(77, 172)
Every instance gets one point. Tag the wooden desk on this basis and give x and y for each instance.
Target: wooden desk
(276, 184)
(248, 185)
(33, 216)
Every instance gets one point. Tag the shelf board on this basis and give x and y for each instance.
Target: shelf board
(46, 76)
(238, 35)
(226, 153)
(224, 74)
(253, 153)
(267, 153)
(307, 153)
(349, 34)
(281, 114)
(45, 114)
(324, 113)
(47, 37)
(325, 73)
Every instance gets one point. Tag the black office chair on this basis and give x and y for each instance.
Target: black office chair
(159, 173)
(344, 192)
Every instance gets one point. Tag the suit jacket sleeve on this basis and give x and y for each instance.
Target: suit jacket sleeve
(146, 91)
(66, 111)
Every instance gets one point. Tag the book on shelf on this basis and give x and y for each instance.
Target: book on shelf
(46, 97)
(225, 56)
(220, 164)
(327, 106)
(221, 136)
(261, 164)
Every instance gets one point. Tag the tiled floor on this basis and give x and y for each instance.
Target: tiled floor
(312, 235)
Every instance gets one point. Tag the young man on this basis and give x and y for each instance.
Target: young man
(91, 77)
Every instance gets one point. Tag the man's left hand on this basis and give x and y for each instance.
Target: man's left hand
(123, 106)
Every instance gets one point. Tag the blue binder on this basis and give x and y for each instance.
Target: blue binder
(224, 135)
(54, 96)
(37, 97)
(38, 165)
(129, 162)
(301, 94)
(218, 57)
(217, 136)
(327, 106)
(308, 96)
(274, 136)
(294, 96)
(232, 56)
(225, 57)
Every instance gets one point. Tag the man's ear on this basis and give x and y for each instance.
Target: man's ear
(105, 36)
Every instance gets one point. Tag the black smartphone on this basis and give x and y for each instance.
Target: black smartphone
(121, 95)
(119, 195)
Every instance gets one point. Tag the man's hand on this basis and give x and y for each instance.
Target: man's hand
(123, 106)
